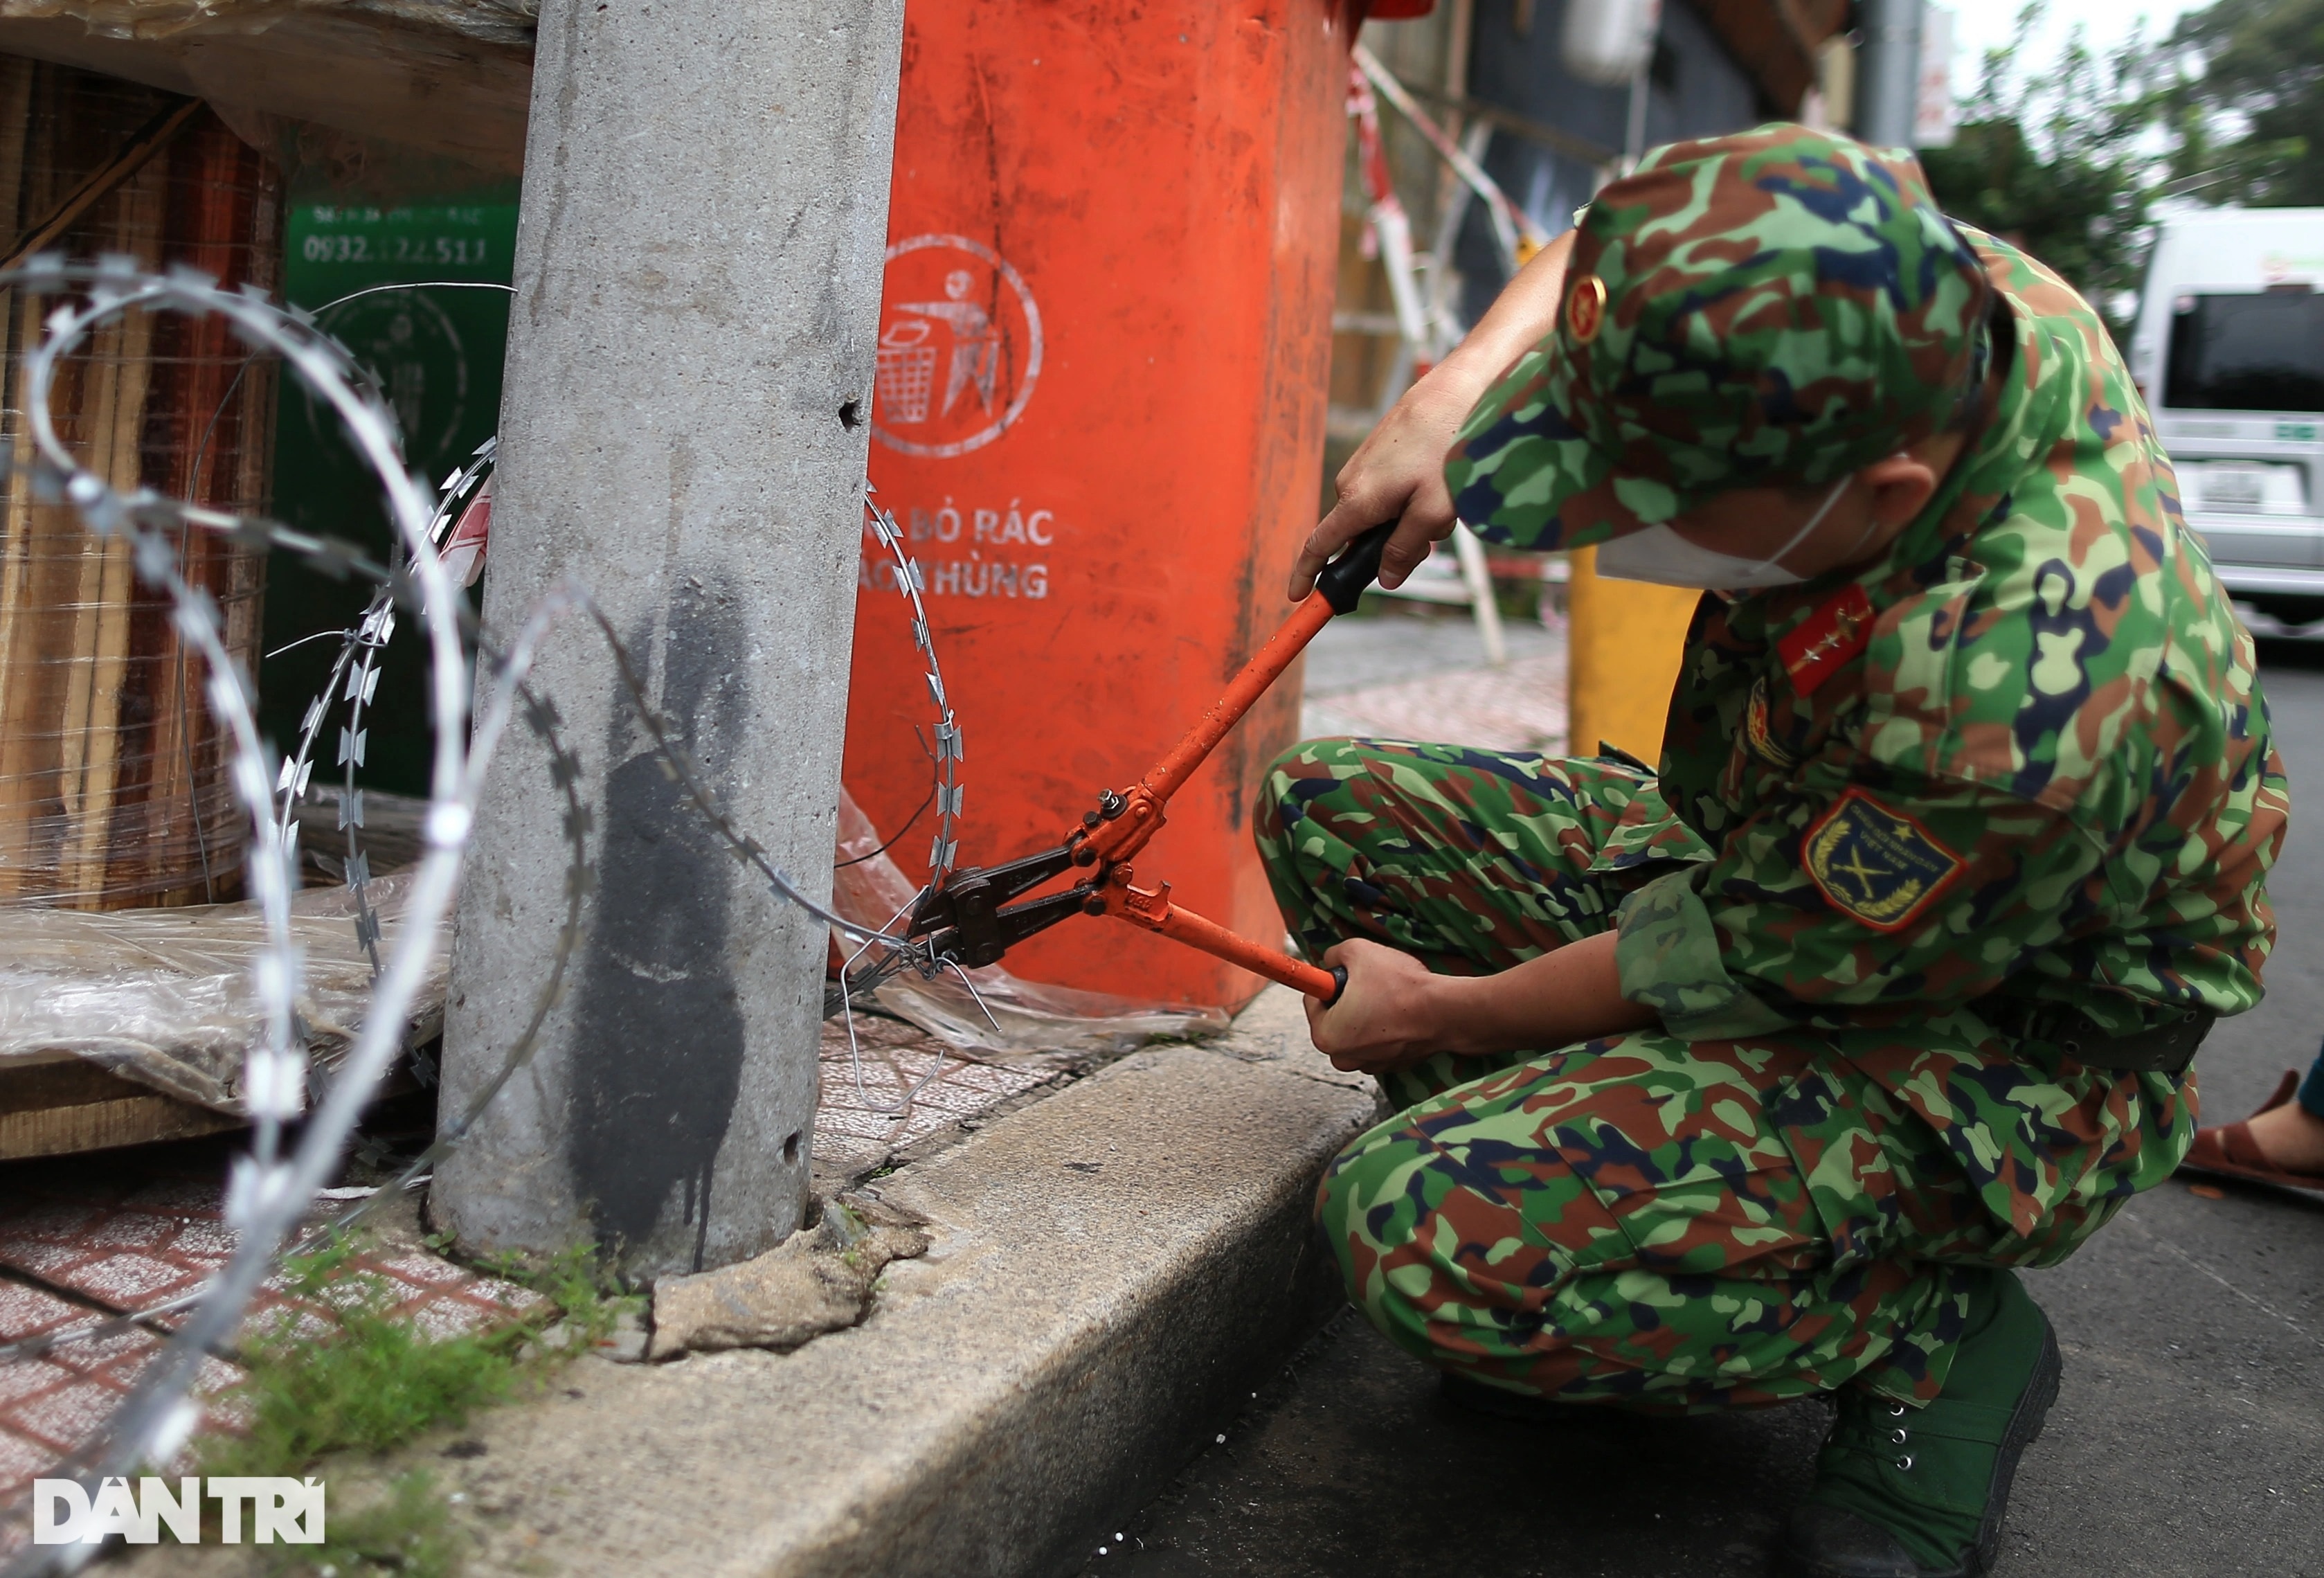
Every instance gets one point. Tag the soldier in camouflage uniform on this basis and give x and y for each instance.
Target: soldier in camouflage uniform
(1749, 1076)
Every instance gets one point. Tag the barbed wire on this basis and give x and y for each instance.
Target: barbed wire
(269, 1191)
(855, 978)
(357, 663)
(540, 715)
(945, 852)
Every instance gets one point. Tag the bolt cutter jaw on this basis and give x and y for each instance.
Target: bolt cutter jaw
(968, 917)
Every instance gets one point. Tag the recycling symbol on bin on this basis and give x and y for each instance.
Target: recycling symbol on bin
(960, 348)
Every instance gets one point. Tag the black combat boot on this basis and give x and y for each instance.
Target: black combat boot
(1905, 1493)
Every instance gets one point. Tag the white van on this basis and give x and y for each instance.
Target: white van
(2230, 350)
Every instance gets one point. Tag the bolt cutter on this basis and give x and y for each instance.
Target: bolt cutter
(975, 914)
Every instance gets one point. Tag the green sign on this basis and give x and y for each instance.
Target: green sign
(2295, 432)
(435, 341)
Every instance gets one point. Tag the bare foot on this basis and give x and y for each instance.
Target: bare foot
(2291, 1137)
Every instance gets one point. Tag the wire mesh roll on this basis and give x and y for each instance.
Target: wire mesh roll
(113, 787)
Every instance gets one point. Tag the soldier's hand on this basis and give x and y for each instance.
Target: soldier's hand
(1384, 1021)
(1396, 475)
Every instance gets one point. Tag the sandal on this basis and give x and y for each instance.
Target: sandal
(2229, 1151)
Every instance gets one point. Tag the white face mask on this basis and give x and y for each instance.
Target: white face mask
(1662, 556)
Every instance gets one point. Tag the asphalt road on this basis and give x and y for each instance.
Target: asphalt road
(2186, 1440)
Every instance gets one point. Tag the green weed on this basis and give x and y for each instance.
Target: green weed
(371, 1384)
(410, 1533)
(588, 1293)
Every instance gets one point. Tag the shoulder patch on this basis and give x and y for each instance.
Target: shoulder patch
(1840, 628)
(1876, 865)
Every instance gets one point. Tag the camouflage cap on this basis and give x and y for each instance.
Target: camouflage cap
(1783, 306)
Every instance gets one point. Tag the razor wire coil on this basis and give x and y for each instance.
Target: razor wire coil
(273, 1185)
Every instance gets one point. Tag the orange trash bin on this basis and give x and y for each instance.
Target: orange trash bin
(1099, 419)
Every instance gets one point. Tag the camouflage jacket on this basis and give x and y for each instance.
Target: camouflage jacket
(2027, 754)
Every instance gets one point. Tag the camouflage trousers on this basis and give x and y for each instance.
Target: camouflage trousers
(1665, 1225)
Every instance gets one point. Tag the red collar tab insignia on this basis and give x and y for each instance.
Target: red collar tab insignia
(1840, 628)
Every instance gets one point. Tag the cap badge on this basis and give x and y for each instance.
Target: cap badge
(1585, 308)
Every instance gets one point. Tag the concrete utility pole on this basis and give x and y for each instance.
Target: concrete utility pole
(1888, 72)
(683, 435)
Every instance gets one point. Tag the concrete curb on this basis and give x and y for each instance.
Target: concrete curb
(1112, 1269)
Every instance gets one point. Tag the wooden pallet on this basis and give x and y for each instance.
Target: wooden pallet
(62, 1104)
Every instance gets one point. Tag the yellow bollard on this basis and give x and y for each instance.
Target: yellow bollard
(1624, 642)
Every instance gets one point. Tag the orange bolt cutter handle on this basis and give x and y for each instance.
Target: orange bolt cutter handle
(1155, 913)
(1119, 833)
(1125, 822)
(969, 918)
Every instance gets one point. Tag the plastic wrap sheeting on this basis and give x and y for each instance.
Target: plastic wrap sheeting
(1025, 1016)
(495, 21)
(164, 996)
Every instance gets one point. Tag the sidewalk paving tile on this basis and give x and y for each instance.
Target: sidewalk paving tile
(853, 1133)
(122, 1250)
(49, 1405)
